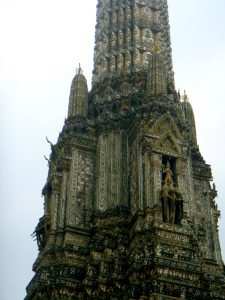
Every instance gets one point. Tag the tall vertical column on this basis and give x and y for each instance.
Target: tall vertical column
(147, 180)
(54, 207)
(136, 177)
(62, 207)
(156, 183)
(101, 193)
(72, 188)
(55, 183)
(111, 169)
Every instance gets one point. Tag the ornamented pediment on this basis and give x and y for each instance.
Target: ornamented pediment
(166, 124)
(167, 143)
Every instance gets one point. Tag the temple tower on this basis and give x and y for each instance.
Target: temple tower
(130, 209)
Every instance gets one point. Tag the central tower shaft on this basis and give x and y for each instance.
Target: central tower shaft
(126, 34)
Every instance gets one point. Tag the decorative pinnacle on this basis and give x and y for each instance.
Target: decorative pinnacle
(79, 70)
(185, 96)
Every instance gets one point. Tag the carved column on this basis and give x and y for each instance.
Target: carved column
(181, 171)
(124, 164)
(63, 201)
(136, 177)
(56, 184)
(116, 168)
(55, 196)
(189, 195)
(63, 198)
(79, 197)
(109, 177)
(133, 178)
(156, 183)
(101, 193)
(140, 178)
(72, 188)
(147, 180)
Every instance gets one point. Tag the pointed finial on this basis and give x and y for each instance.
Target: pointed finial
(79, 70)
(178, 93)
(185, 96)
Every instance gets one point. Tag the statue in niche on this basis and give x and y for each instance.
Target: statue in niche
(172, 203)
(168, 182)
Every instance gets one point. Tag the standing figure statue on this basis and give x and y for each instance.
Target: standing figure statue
(172, 203)
(168, 181)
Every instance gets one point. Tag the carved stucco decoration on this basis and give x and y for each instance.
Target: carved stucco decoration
(167, 144)
(169, 139)
(163, 137)
(166, 124)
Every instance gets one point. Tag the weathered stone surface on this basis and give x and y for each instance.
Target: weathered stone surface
(130, 209)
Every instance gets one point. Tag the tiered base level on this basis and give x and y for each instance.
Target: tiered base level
(156, 261)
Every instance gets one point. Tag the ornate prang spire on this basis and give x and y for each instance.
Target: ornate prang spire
(78, 103)
(125, 33)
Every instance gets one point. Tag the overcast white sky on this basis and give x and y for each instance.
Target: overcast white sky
(42, 43)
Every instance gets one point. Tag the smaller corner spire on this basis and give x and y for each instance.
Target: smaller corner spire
(189, 117)
(78, 103)
(185, 97)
